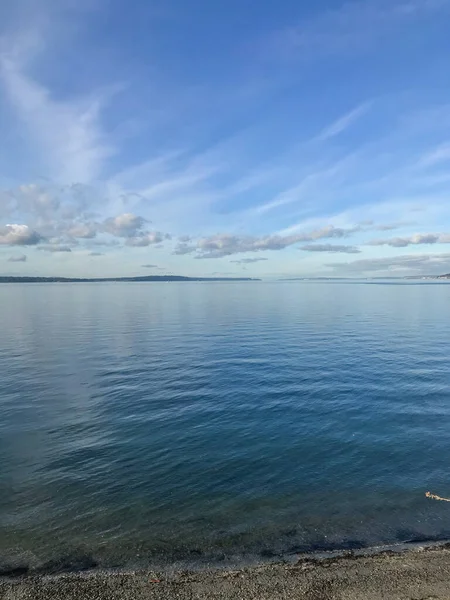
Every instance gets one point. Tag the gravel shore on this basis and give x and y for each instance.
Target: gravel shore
(420, 574)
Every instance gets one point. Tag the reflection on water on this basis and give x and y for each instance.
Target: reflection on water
(146, 423)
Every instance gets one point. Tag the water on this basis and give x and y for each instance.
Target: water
(200, 423)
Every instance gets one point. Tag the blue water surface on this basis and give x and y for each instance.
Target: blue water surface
(161, 423)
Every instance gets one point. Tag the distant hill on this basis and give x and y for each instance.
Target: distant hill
(447, 276)
(143, 279)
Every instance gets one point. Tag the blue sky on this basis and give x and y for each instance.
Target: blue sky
(200, 137)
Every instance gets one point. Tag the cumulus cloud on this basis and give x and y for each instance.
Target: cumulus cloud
(184, 248)
(414, 240)
(19, 235)
(18, 258)
(330, 248)
(126, 225)
(54, 210)
(83, 231)
(66, 212)
(36, 200)
(421, 264)
(226, 244)
(248, 261)
(55, 248)
(131, 227)
(147, 239)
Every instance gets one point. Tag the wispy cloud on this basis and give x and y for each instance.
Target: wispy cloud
(436, 156)
(226, 244)
(422, 264)
(248, 261)
(414, 240)
(390, 226)
(344, 122)
(71, 146)
(55, 249)
(316, 183)
(351, 27)
(330, 248)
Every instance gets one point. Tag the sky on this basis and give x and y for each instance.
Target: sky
(212, 138)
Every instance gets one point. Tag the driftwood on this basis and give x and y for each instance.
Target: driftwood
(435, 497)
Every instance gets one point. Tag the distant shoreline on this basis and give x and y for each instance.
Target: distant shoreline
(143, 279)
(181, 278)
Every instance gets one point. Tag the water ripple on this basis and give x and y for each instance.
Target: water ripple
(153, 423)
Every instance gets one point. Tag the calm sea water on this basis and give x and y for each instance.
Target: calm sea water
(218, 422)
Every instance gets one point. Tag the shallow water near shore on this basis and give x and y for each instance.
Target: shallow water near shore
(213, 423)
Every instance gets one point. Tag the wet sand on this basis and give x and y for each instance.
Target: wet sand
(420, 574)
